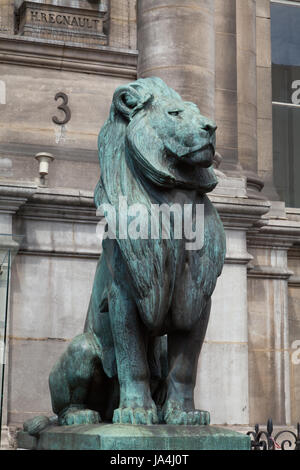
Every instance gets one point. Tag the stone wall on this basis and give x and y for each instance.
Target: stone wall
(34, 70)
(52, 280)
(28, 127)
(60, 250)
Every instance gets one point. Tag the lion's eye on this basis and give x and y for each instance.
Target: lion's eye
(175, 113)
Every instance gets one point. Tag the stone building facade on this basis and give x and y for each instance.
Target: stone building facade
(60, 61)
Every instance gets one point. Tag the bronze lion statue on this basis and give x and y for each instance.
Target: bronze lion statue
(136, 361)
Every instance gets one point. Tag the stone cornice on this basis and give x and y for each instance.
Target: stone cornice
(64, 205)
(67, 204)
(294, 281)
(279, 233)
(293, 214)
(240, 213)
(74, 197)
(294, 252)
(268, 272)
(78, 205)
(60, 253)
(98, 60)
(13, 195)
(238, 258)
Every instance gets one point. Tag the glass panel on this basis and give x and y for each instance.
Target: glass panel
(286, 83)
(9, 246)
(285, 34)
(4, 285)
(286, 151)
(285, 20)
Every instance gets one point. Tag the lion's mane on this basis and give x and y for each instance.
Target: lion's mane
(150, 263)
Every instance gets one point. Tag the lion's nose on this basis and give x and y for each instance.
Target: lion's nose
(209, 127)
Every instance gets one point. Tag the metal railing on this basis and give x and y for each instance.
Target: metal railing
(267, 440)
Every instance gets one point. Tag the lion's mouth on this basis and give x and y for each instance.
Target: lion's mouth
(198, 155)
(193, 170)
(202, 156)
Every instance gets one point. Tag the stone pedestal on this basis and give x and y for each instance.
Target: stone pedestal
(134, 437)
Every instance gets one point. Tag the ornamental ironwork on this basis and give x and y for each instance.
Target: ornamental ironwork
(265, 440)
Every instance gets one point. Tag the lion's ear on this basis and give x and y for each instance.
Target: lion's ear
(128, 100)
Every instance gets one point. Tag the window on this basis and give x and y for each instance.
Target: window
(285, 21)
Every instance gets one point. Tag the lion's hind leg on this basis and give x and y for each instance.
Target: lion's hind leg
(71, 379)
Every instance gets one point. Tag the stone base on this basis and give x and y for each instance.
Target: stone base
(4, 438)
(134, 437)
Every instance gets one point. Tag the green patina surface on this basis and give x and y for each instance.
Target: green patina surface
(157, 149)
(133, 437)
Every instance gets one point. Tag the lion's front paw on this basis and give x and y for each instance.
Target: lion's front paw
(175, 414)
(36, 425)
(79, 416)
(135, 416)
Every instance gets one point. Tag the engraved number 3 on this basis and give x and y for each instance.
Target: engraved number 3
(63, 107)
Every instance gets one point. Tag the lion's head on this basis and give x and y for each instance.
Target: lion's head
(168, 139)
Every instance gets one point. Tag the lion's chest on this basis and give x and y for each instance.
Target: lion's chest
(196, 273)
(172, 284)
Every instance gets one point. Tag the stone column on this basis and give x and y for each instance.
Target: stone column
(226, 83)
(246, 86)
(222, 380)
(264, 99)
(6, 16)
(176, 42)
(122, 28)
(294, 329)
(269, 317)
(222, 385)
